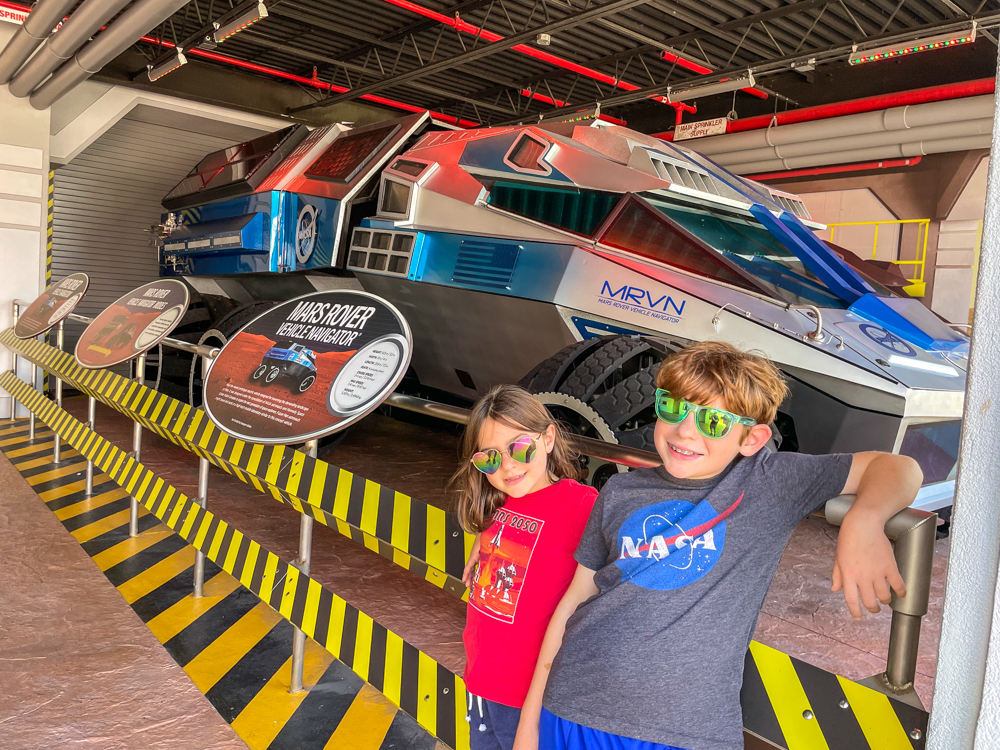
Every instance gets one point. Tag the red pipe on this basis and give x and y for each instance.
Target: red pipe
(858, 106)
(816, 171)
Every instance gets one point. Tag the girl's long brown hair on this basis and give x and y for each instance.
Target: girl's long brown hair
(514, 407)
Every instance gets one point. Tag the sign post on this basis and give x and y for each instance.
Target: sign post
(304, 369)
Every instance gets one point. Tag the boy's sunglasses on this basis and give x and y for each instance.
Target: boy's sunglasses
(712, 423)
(521, 450)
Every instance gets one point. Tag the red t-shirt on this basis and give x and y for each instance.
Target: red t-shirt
(525, 566)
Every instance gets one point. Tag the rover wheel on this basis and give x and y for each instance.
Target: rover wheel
(272, 375)
(258, 373)
(614, 376)
(218, 335)
(583, 420)
(306, 383)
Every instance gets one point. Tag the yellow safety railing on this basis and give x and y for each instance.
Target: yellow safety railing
(917, 286)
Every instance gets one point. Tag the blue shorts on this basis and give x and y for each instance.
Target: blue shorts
(492, 725)
(558, 734)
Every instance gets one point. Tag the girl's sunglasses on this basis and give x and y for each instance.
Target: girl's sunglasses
(712, 423)
(521, 450)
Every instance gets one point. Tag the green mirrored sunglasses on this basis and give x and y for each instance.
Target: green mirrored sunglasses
(712, 422)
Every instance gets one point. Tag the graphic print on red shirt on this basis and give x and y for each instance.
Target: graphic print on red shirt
(503, 561)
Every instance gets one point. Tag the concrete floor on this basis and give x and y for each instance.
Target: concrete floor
(78, 668)
(800, 617)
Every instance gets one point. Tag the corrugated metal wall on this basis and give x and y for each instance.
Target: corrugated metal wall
(107, 198)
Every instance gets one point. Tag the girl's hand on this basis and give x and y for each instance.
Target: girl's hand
(468, 575)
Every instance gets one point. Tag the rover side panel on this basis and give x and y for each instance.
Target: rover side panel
(490, 338)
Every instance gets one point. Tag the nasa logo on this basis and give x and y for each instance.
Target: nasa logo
(658, 551)
(642, 301)
(305, 234)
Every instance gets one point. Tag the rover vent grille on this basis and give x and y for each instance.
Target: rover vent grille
(488, 265)
(701, 181)
(791, 205)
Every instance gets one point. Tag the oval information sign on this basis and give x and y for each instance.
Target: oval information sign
(52, 305)
(308, 367)
(134, 324)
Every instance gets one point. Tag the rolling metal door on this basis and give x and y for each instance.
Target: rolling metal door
(107, 198)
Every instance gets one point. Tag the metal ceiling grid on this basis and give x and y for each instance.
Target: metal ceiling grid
(431, 53)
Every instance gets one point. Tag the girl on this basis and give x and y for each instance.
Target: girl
(518, 492)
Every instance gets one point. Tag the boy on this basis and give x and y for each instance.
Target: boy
(675, 562)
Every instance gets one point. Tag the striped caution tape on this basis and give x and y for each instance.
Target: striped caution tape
(422, 538)
(409, 678)
(797, 706)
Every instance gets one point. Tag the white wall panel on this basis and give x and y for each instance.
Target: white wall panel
(26, 184)
(20, 213)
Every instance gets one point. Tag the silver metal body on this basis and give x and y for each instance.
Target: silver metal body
(305, 557)
(60, 343)
(133, 514)
(91, 418)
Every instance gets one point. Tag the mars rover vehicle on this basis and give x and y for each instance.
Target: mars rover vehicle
(571, 256)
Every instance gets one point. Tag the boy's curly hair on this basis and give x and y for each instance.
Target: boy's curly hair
(747, 382)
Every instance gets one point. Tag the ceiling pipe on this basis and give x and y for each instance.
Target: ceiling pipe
(137, 20)
(35, 30)
(946, 92)
(895, 119)
(64, 43)
(918, 148)
(958, 129)
(839, 169)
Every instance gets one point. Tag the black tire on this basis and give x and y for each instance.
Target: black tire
(591, 377)
(173, 371)
(218, 335)
(306, 383)
(272, 375)
(615, 377)
(258, 373)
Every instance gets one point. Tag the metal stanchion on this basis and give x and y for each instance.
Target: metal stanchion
(60, 340)
(133, 513)
(31, 414)
(91, 417)
(202, 500)
(913, 533)
(15, 314)
(305, 556)
(199, 557)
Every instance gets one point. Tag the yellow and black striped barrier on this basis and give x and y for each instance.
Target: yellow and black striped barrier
(786, 702)
(409, 678)
(420, 537)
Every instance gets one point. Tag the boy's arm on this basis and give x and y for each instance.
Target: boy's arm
(581, 589)
(865, 567)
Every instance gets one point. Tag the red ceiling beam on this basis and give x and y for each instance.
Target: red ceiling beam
(838, 169)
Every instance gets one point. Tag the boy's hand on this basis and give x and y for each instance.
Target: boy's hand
(865, 565)
(468, 575)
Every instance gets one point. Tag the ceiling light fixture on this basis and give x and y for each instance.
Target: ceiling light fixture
(720, 87)
(242, 22)
(155, 72)
(926, 44)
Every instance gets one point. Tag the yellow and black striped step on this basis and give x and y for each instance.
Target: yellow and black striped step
(234, 647)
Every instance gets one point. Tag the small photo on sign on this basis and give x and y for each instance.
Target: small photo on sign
(133, 324)
(51, 306)
(308, 367)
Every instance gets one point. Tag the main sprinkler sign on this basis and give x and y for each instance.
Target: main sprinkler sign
(133, 324)
(308, 367)
(52, 306)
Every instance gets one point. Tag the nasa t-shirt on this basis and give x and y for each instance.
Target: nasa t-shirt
(525, 566)
(682, 570)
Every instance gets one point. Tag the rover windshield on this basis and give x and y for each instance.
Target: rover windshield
(748, 245)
